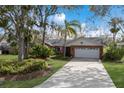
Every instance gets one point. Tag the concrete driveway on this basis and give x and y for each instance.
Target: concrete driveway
(80, 73)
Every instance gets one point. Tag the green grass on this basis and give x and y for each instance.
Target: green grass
(116, 72)
(56, 63)
(8, 58)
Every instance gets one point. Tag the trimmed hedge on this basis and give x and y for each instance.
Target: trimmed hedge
(23, 68)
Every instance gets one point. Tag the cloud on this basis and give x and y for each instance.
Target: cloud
(96, 33)
(83, 26)
(60, 18)
(57, 18)
(82, 32)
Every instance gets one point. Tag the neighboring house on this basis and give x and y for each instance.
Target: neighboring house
(4, 47)
(121, 44)
(80, 47)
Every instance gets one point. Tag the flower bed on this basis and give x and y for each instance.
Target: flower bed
(27, 76)
(22, 71)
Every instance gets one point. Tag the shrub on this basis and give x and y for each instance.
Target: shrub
(13, 48)
(22, 68)
(42, 51)
(113, 53)
(122, 60)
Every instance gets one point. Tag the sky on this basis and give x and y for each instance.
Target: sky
(85, 16)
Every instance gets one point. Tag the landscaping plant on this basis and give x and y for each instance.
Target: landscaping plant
(22, 68)
(114, 53)
(40, 51)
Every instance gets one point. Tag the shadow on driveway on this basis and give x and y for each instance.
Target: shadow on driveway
(80, 73)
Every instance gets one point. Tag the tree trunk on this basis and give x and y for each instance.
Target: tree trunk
(43, 42)
(21, 49)
(26, 47)
(20, 42)
(44, 30)
(65, 37)
(114, 37)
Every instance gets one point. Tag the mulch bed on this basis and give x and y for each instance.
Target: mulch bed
(26, 76)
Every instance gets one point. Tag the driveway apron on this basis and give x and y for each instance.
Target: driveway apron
(80, 73)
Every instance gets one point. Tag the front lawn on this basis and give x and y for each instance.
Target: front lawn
(116, 72)
(56, 63)
(8, 58)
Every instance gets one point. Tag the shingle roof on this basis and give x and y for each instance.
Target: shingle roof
(120, 44)
(57, 42)
(90, 41)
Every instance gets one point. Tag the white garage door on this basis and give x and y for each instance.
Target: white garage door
(87, 52)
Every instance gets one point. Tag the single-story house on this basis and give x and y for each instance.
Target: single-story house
(120, 44)
(4, 47)
(90, 47)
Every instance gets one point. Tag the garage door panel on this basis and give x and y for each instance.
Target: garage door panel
(87, 52)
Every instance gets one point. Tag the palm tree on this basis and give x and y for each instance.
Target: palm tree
(69, 31)
(114, 30)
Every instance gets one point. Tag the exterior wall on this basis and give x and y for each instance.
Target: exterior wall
(101, 52)
(68, 51)
(61, 49)
(0, 52)
(120, 46)
(100, 48)
(72, 51)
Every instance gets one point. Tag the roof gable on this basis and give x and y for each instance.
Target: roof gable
(86, 42)
(91, 41)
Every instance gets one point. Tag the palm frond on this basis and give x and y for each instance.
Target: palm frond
(75, 24)
(75, 21)
(72, 31)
